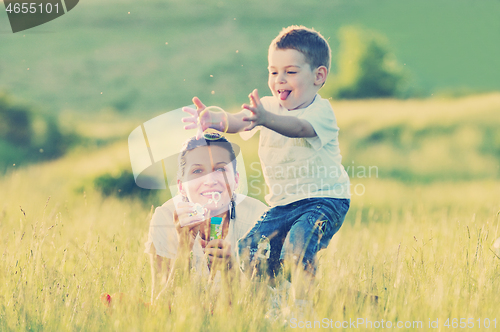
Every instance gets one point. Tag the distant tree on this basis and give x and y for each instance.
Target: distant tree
(366, 67)
(15, 123)
(26, 136)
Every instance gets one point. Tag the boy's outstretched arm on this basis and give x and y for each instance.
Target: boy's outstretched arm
(285, 125)
(235, 121)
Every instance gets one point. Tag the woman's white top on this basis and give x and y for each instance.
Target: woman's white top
(163, 236)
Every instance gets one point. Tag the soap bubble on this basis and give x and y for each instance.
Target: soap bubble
(213, 119)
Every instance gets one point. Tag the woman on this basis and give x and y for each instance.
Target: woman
(207, 180)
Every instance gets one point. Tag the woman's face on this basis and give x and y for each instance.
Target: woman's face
(209, 173)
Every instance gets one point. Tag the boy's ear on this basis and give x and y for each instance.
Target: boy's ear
(320, 75)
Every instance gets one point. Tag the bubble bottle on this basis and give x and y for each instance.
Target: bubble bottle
(215, 228)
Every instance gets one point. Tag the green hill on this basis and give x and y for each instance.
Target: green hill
(422, 140)
(163, 53)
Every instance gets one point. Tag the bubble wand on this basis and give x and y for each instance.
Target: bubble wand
(200, 209)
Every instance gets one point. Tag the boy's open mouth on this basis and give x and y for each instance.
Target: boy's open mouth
(284, 94)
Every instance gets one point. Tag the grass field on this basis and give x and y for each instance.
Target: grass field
(419, 235)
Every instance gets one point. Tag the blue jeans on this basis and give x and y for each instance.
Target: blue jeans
(294, 231)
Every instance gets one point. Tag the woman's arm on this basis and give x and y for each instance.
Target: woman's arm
(187, 227)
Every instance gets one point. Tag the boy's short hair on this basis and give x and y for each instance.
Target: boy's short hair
(308, 42)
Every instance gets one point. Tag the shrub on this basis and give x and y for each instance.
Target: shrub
(15, 123)
(366, 67)
(123, 185)
(26, 136)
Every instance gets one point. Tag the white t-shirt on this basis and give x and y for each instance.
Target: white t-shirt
(299, 168)
(163, 235)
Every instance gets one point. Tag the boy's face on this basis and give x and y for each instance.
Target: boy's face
(291, 78)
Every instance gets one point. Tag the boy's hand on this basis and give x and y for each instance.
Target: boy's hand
(193, 119)
(259, 114)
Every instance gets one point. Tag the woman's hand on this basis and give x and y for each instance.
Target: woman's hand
(218, 253)
(187, 224)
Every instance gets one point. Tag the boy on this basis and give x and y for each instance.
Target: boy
(300, 156)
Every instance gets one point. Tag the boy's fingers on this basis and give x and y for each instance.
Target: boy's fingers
(199, 105)
(193, 122)
(252, 100)
(191, 119)
(248, 107)
(190, 124)
(254, 97)
(256, 94)
(250, 127)
(190, 110)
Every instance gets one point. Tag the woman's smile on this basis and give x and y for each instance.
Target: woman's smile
(210, 179)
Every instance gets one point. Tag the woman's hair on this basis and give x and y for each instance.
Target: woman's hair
(206, 140)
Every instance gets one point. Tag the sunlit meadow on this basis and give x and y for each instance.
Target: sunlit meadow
(418, 235)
